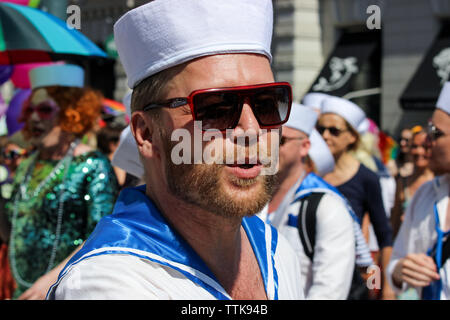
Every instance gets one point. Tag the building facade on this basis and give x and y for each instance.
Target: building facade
(404, 60)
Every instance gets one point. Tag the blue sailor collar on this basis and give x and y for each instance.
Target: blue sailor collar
(314, 183)
(136, 227)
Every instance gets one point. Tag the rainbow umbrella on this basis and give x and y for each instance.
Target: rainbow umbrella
(113, 107)
(30, 3)
(31, 35)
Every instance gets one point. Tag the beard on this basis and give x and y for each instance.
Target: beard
(205, 186)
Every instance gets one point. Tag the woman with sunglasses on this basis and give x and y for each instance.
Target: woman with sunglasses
(403, 161)
(63, 189)
(337, 124)
(407, 186)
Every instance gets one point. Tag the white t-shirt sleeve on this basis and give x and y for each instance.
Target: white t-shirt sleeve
(334, 251)
(112, 277)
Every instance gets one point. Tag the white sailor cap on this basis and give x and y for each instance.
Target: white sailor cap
(302, 118)
(165, 33)
(443, 101)
(126, 155)
(67, 75)
(314, 99)
(348, 110)
(320, 154)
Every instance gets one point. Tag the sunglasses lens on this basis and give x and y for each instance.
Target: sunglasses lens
(271, 105)
(221, 109)
(332, 130)
(216, 110)
(44, 111)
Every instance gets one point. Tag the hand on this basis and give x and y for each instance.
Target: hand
(388, 294)
(416, 269)
(39, 289)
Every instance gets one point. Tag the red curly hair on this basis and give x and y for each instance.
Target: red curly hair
(79, 108)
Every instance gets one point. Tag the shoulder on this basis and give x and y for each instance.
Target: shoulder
(93, 159)
(367, 176)
(111, 276)
(424, 192)
(82, 149)
(333, 211)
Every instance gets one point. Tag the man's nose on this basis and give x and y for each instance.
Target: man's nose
(34, 116)
(247, 121)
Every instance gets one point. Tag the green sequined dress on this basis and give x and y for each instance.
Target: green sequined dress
(90, 191)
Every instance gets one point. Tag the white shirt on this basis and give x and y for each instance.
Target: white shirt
(330, 276)
(417, 233)
(126, 276)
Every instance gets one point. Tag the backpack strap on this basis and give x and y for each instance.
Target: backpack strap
(306, 223)
(445, 251)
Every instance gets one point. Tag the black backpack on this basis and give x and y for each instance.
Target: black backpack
(306, 223)
(306, 226)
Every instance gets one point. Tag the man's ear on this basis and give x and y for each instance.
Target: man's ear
(306, 145)
(144, 131)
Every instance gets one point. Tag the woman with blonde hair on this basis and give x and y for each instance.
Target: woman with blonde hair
(63, 189)
(338, 125)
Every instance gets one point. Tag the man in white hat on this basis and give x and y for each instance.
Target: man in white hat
(420, 257)
(312, 216)
(190, 232)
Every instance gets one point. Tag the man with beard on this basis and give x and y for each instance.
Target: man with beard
(190, 233)
(420, 257)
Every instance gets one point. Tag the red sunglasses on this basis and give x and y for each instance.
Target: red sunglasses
(44, 110)
(221, 108)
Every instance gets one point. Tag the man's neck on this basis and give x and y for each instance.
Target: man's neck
(345, 167)
(220, 242)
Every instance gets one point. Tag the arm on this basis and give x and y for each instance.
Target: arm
(397, 210)
(5, 227)
(334, 257)
(381, 227)
(406, 266)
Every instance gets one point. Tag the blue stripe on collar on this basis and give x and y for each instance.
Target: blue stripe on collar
(264, 239)
(138, 225)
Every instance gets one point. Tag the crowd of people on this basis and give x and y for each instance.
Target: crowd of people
(78, 222)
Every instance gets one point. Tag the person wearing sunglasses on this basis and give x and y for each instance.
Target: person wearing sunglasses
(196, 67)
(407, 187)
(420, 257)
(64, 187)
(327, 246)
(403, 160)
(338, 125)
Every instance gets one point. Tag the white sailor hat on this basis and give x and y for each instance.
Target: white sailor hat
(302, 118)
(348, 110)
(165, 33)
(314, 99)
(443, 101)
(126, 155)
(320, 154)
(67, 75)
